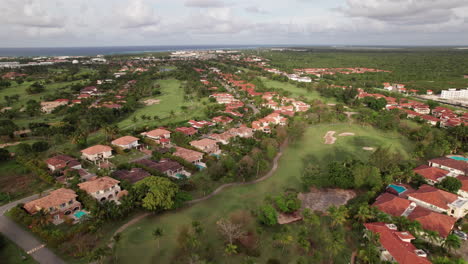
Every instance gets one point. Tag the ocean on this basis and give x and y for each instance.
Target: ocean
(92, 51)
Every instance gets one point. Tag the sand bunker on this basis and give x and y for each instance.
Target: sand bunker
(368, 148)
(329, 138)
(151, 101)
(321, 200)
(346, 134)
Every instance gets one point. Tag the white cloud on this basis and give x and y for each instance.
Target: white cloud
(138, 13)
(256, 10)
(205, 3)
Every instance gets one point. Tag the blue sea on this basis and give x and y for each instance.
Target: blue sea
(90, 51)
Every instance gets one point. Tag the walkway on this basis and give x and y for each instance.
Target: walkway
(23, 238)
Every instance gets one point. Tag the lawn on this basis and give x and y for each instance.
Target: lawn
(137, 241)
(295, 90)
(10, 253)
(20, 89)
(172, 99)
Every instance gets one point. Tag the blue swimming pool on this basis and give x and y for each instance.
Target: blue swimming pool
(79, 214)
(399, 189)
(200, 167)
(458, 158)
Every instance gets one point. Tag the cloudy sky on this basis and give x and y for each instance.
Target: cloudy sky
(54, 23)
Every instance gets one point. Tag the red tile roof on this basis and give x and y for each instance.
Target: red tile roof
(124, 140)
(98, 184)
(391, 204)
(55, 198)
(430, 173)
(430, 220)
(403, 252)
(451, 163)
(434, 196)
(96, 149)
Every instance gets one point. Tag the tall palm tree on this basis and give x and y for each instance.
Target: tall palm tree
(338, 215)
(451, 242)
(363, 214)
(157, 234)
(111, 131)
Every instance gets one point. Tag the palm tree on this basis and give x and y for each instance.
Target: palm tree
(111, 131)
(432, 235)
(338, 215)
(363, 214)
(451, 242)
(157, 234)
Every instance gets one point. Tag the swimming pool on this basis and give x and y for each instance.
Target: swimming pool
(79, 214)
(399, 189)
(458, 158)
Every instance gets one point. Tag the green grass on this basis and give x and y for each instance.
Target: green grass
(137, 241)
(24, 96)
(295, 90)
(10, 253)
(17, 182)
(172, 99)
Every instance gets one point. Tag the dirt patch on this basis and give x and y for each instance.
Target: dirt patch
(151, 101)
(321, 200)
(9, 144)
(368, 148)
(346, 134)
(329, 138)
(288, 218)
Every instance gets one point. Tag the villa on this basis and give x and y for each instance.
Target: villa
(61, 162)
(396, 245)
(206, 145)
(160, 136)
(103, 189)
(126, 142)
(97, 152)
(189, 155)
(432, 175)
(455, 167)
(59, 204)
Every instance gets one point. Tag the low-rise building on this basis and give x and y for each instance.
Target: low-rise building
(206, 145)
(242, 131)
(396, 245)
(394, 205)
(97, 153)
(188, 131)
(62, 162)
(463, 192)
(439, 201)
(160, 136)
(134, 175)
(126, 142)
(432, 175)
(59, 204)
(103, 189)
(222, 138)
(189, 155)
(441, 223)
(455, 167)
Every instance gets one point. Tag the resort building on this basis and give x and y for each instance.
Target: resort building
(59, 204)
(126, 142)
(454, 94)
(396, 245)
(439, 201)
(103, 189)
(97, 153)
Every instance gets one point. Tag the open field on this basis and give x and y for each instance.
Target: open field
(17, 182)
(172, 99)
(12, 254)
(20, 89)
(138, 243)
(295, 90)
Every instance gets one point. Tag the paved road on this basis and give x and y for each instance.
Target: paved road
(24, 239)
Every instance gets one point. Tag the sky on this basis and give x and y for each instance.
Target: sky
(74, 23)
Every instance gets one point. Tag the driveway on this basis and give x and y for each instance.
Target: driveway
(24, 239)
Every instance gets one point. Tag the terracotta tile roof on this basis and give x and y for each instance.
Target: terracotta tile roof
(188, 154)
(403, 252)
(451, 163)
(391, 204)
(189, 131)
(98, 184)
(60, 160)
(157, 132)
(124, 140)
(430, 220)
(434, 196)
(203, 143)
(96, 149)
(464, 182)
(55, 198)
(430, 173)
